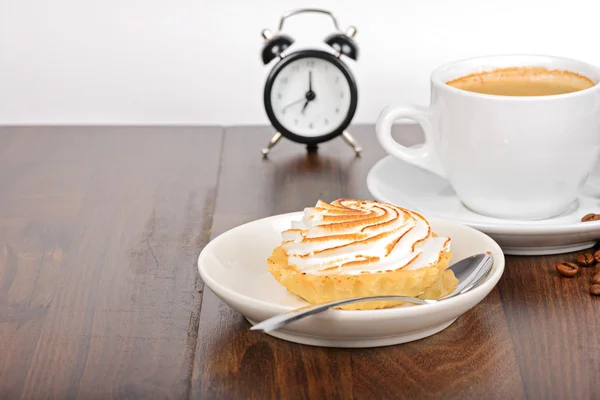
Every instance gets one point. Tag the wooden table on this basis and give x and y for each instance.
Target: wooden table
(100, 229)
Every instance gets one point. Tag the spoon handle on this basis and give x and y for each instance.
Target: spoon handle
(280, 320)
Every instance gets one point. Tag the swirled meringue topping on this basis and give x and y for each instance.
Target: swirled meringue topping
(350, 237)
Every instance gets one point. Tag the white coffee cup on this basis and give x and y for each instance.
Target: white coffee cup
(512, 157)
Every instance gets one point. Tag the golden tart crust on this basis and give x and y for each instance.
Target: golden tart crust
(428, 282)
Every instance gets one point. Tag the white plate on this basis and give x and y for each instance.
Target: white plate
(395, 181)
(234, 267)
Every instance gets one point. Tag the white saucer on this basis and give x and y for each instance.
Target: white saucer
(234, 267)
(395, 181)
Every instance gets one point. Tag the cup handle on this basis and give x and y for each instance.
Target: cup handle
(424, 156)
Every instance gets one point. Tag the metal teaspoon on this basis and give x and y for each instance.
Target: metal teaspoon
(469, 272)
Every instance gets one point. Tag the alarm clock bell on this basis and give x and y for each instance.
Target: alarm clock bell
(310, 96)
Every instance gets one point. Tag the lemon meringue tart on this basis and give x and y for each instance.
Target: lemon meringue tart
(353, 248)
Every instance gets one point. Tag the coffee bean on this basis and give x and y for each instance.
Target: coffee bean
(596, 278)
(587, 217)
(585, 260)
(595, 289)
(590, 217)
(567, 269)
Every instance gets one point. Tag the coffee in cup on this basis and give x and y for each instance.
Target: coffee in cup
(523, 81)
(516, 136)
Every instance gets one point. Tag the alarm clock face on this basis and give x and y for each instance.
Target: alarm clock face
(311, 95)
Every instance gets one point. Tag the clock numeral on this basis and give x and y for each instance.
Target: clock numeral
(279, 96)
(284, 81)
(311, 125)
(310, 63)
(295, 122)
(296, 68)
(342, 95)
(283, 112)
(326, 121)
(337, 79)
(337, 110)
(326, 67)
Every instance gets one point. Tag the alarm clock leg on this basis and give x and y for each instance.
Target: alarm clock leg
(351, 142)
(274, 139)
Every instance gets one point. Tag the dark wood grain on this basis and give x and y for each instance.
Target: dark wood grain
(99, 234)
(473, 358)
(100, 229)
(555, 327)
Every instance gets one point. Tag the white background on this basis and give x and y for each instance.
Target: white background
(197, 61)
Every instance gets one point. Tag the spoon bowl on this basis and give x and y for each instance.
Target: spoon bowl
(469, 272)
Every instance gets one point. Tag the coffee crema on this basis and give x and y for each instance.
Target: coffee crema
(523, 81)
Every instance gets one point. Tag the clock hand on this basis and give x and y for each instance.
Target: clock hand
(294, 103)
(310, 96)
(304, 107)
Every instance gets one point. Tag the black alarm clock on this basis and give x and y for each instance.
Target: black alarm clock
(310, 96)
